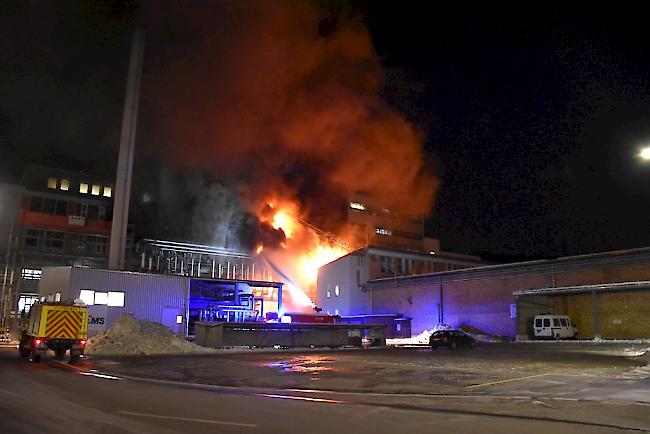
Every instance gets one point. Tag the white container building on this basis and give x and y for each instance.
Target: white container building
(174, 301)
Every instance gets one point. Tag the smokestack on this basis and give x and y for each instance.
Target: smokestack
(125, 159)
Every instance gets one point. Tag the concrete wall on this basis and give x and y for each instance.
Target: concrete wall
(343, 273)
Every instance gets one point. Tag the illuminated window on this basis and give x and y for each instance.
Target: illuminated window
(179, 319)
(83, 188)
(383, 231)
(101, 298)
(107, 191)
(95, 191)
(87, 296)
(357, 206)
(65, 184)
(57, 296)
(51, 183)
(329, 294)
(30, 274)
(25, 302)
(336, 291)
(336, 311)
(116, 299)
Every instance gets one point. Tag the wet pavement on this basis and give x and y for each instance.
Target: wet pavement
(564, 370)
(496, 388)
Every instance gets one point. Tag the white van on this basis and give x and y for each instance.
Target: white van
(554, 327)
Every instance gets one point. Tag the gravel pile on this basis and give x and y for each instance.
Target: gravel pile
(130, 336)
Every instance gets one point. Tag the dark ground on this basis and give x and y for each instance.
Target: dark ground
(537, 387)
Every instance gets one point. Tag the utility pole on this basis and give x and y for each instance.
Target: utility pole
(125, 159)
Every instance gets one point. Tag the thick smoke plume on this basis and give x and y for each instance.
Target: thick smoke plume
(281, 99)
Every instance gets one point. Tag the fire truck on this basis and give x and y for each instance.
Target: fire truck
(60, 327)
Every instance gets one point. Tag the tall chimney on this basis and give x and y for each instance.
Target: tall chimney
(125, 159)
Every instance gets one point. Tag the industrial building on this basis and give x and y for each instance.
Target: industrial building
(51, 217)
(607, 295)
(343, 285)
(174, 301)
(375, 225)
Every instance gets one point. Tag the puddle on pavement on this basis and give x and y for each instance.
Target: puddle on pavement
(313, 365)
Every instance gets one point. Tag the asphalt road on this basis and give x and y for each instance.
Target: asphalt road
(48, 397)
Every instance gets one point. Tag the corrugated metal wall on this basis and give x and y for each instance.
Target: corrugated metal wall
(152, 297)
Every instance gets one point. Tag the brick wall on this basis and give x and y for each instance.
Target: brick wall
(485, 302)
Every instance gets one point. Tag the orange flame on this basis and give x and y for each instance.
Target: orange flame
(304, 251)
(312, 260)
(282, 220)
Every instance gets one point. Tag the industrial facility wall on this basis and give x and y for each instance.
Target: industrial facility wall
(158, 298)
(53, 280)
(486, 302)
(351, 300)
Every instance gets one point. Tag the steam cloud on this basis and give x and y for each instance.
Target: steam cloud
(282, 98)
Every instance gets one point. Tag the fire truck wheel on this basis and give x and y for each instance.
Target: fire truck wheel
(36, 358)
(59, 354)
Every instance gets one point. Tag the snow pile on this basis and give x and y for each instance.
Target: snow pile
(422, 338)
(480, 335)
(130, 336)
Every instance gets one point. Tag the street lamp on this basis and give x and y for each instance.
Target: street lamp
(645, 153)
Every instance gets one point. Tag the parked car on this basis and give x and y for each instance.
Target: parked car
(451, 339)
(554, 327)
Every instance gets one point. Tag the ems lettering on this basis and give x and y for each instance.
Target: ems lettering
(96, 320)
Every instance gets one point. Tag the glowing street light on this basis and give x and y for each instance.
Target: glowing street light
(645, 153)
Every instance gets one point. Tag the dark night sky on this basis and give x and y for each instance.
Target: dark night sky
(533, 116)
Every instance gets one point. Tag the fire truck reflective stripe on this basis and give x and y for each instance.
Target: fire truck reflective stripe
(63, 323)
(64, 329)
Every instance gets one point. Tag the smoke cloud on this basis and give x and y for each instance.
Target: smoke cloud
(281, 98)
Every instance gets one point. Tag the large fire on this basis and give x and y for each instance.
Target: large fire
(303, 252)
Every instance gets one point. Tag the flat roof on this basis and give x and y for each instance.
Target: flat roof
(254, 283)
(622, 286)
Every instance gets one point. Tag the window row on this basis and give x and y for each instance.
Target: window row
(398, 233)
(64, 207)
(337, 291)
(110, 298)
(407, 266)
(84, 188)
(92, 245)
